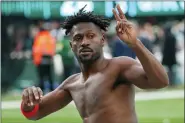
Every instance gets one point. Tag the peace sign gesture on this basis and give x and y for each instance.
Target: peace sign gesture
(125, 30)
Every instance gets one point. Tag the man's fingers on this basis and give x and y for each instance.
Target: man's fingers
(119, 26)
(123, 28)
(36, 93)
(116, 15)
(25, 96)
(40, 92)
(30, 96)
(121, 14)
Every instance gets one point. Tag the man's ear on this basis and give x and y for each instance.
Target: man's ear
(71, 45)
(103, 39)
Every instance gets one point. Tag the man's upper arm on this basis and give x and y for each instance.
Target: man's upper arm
(133, 72)
(55, 100)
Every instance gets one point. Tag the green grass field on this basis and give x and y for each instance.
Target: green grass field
(157, 111)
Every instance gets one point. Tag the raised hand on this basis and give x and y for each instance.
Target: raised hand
(32, 96)
(125, 29)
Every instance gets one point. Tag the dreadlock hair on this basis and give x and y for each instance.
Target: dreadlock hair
(83, 16)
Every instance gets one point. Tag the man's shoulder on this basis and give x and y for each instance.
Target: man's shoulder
(71, 79)
(123, 60)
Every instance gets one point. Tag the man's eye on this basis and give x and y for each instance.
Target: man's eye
(77, 38)
(91, 36)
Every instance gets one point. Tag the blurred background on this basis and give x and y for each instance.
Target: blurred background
(35, 51)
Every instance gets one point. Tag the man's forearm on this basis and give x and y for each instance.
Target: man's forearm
(155, 72)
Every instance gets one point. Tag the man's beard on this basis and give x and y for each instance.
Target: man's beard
(89, 59)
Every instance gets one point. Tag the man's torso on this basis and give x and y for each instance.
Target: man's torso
(103, 97)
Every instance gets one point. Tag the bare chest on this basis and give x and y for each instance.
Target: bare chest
(91, 94)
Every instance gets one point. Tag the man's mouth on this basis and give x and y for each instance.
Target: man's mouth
(85, 50)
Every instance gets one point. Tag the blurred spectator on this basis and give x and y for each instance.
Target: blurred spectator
(107, 51)
(20, 37)
(159, 37)
(178, 31)
(55, 29)
(43, 52)
(33, 31)
(67, 57)
(146, 35)
(169, 52)
(122, 49)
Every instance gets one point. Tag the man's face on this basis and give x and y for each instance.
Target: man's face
(87, 41)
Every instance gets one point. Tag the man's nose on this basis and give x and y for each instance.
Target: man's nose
(85, 42)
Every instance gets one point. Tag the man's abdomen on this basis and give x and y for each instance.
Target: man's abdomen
(112, 114)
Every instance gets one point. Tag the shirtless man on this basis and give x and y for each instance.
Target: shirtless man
(104, 90)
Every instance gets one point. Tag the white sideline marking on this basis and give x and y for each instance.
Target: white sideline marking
(140, 96)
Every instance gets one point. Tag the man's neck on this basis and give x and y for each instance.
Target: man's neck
(94, 67)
